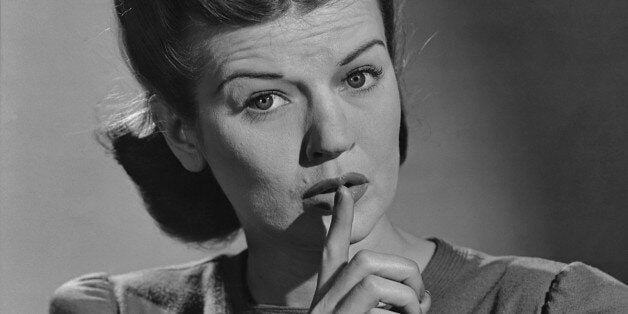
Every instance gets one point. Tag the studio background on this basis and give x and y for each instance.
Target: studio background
(518, 116)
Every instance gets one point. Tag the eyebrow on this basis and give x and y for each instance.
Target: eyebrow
(253, 75)
(275, 76)
(358, 51)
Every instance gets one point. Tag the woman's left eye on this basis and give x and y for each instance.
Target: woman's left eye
(363, 78)
(266, 102)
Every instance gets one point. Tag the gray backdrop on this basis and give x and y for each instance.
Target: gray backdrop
(519, 140)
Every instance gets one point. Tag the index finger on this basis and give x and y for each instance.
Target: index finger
(336, 249)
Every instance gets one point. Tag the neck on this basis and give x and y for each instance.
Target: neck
(279, 275)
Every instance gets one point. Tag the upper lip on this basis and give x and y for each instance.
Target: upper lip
(329, 185)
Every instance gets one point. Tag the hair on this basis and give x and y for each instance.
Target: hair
(160, 41)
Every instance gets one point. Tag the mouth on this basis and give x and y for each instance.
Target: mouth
(323, 191)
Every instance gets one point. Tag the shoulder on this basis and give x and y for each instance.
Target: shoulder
(515, 283)
(563, 288)
(558, 287)
(582, 288)
(519, 284)
(176, 288)
(522, 276)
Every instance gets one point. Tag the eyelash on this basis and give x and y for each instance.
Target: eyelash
(259, 115)
(255, 115)
(374, 71)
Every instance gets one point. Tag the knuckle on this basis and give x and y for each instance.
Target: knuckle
(328, 253)
(408, 294)
(414, 267)
(363, 258)
(370, 283)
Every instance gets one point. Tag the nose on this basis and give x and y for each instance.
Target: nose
(329, 134)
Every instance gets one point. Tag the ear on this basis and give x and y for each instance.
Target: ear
(181, 139)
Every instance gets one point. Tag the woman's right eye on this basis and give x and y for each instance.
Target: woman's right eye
(266, 102)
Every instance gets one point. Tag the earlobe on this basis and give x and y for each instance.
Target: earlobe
(182, 140)
(186, 149)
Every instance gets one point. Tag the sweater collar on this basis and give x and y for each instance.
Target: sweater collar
(442, 269)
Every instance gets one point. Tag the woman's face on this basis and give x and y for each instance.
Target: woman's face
(294, 102)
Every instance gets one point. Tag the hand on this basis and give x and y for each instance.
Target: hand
(370, 278)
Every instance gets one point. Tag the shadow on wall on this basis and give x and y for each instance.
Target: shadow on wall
(551, 82)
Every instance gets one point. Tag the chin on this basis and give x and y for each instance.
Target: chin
(361, 232)
(357, 235)
(365, 220)
(369, 213)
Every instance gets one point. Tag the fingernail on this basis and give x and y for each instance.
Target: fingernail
(427, 293)
(338, 196)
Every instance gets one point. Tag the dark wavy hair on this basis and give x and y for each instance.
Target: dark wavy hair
(161, 41)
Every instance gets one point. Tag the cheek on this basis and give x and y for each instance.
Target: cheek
(390, 141)
(380, 143)
(257, 170)
(382, 125)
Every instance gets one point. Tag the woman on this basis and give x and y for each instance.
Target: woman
(284, 118)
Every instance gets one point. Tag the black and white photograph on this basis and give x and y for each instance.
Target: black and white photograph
(313, 156)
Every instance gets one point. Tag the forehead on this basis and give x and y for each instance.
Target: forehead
(322, 33)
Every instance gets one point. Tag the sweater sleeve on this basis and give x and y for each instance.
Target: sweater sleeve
(91, 293)
(579, 288)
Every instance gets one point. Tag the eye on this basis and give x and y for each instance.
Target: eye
(266, 101)
(356, 80)
(363, 78)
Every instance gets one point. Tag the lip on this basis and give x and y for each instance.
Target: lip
(356, 182)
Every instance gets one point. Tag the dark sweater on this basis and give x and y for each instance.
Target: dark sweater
(460, 280)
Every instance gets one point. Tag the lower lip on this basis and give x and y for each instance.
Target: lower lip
(357, 191)
(325, 201)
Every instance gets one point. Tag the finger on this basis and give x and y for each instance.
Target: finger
(367, 294)
(380, 311)
(366, 263)
(426, 302)
(425, 305)
(336, 249)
